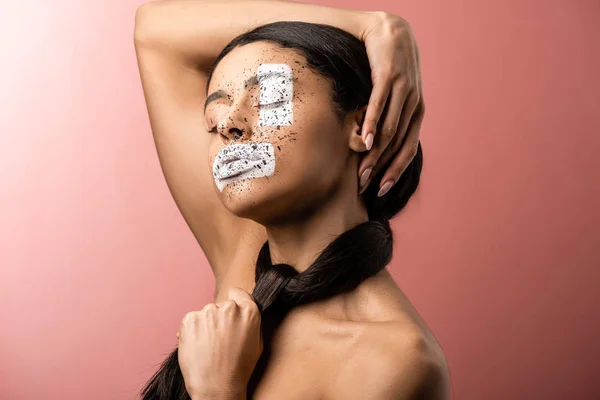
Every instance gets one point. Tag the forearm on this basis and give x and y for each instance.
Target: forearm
(197, 30)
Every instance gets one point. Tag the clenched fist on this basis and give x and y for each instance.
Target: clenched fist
(219, 346)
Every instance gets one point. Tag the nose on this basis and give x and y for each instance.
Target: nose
(235, 124)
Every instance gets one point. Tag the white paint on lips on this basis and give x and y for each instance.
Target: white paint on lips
(243, 161)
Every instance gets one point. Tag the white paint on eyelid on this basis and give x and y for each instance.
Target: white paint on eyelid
(276, 85)
(255, 160)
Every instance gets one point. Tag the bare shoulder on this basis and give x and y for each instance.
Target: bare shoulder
(394, 360)
(413, 365)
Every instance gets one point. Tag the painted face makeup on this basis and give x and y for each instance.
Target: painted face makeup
(276, 92)
(239, 161)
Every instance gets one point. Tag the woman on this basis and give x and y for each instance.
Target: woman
(285, 107)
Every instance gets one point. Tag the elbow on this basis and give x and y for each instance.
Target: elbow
(142, 24)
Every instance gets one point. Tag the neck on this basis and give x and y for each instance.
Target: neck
(298, 242)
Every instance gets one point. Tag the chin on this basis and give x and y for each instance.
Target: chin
(250, 198)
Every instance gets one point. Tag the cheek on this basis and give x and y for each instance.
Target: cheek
(214, 146)
(311, 148)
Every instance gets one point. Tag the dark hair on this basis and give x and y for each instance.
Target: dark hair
(353, 256)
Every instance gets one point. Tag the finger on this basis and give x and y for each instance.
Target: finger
(409, 110)
(391, 150)
(414, 107)
(377, 101)
(189, 322)
(240, 296)
(387, 154)
(388, 131)
(406, 154)
(226, 304)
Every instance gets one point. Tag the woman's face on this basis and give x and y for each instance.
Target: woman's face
(277, 147)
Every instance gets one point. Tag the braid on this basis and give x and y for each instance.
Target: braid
(352, 257)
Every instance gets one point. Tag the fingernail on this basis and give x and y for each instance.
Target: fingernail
(365, 176)
(369, 141)
(384, 189)
(364, 187)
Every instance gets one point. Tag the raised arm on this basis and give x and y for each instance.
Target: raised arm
(175, 42)
(197, 30)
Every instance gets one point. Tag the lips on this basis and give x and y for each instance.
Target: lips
(234, 168)
(235, 159)
(241, 161)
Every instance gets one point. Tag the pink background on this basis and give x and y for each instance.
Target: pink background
(499, 250)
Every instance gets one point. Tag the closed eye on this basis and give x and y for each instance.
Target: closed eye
(274, 104)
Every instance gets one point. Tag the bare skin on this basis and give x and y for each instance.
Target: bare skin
(370, 343)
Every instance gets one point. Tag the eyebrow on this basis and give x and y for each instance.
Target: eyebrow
(214, 96)
(252, 81)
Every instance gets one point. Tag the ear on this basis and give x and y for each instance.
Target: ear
(354, 125)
